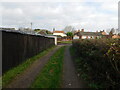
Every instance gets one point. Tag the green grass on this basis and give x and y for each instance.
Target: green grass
(66, 42)
(12, 73)
(51, 74)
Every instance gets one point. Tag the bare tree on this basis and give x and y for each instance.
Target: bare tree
(69, 29)
(112, 31)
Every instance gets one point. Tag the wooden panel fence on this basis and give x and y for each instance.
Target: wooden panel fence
(17, 47)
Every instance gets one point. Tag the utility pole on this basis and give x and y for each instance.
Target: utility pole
(31, 25)
(31, 28)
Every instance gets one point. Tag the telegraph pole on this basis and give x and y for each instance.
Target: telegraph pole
(31, 28)
(31, 25)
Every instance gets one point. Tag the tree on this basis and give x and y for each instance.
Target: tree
(43, 30)
(111, 31)
(36, 30)
(70, 35)
(48, 32)
(69, 29)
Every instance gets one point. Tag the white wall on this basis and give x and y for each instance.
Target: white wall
(89, 37)
(55, 38)
(61, 34)
(83, 37)
(76, 37)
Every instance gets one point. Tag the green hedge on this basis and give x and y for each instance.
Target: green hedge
(100, 59)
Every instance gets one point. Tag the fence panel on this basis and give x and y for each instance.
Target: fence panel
(18, 47)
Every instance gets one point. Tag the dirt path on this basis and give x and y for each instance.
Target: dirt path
(70, 78)
(26, 79)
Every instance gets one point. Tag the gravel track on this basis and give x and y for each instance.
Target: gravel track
(25, 79)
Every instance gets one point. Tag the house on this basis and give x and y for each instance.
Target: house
(75, 37)
(89, 35)
(61, 36)
(59, 33)
(116, 36)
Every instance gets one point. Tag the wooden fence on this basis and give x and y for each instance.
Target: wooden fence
(17, 47)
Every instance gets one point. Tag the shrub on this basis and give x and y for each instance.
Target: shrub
(100, 59)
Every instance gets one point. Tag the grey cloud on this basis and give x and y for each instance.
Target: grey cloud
(58, 15)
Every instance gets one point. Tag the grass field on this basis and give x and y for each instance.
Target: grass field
(51, 74)
(12, 73)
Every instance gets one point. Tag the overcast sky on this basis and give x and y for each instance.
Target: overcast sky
(91, 15)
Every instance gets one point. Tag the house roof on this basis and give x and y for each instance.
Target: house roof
(115, 36)
(58, 32)
(88, 34)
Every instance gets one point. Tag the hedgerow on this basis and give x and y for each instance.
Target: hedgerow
(100, 61)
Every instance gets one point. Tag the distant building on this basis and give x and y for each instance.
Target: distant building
(89, 35)
(103, 32)
(116, 36)
(7, 28)
(59, 33)
(24, 29)
(61, 36)
(75, 37)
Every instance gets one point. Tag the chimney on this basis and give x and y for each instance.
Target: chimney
(82, 30)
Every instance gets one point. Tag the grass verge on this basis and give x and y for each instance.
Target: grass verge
(51, 74)
(12, 73)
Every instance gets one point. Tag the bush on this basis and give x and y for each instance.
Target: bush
(100, 59)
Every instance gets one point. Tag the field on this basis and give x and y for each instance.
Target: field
(98, 61)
